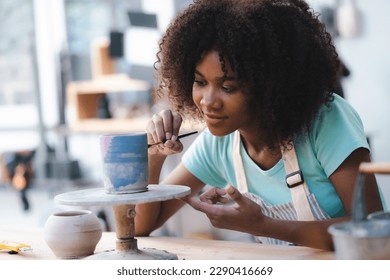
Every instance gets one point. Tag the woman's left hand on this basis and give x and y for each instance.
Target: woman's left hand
(245, 215)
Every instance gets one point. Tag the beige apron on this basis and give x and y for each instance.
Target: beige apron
(303, 207)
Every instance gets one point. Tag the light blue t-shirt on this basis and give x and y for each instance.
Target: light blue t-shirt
(336, 133)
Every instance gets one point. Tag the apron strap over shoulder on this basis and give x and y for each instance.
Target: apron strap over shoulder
(294, 179)
(297, 185)
(239, 170)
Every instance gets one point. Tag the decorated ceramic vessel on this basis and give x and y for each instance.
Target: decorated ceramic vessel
(125, 162)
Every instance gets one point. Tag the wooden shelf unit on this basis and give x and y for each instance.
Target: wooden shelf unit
(83, 97)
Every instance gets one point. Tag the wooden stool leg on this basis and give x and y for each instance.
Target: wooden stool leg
(125, 228)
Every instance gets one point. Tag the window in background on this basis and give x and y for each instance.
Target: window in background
(18, 76)
(89, 20)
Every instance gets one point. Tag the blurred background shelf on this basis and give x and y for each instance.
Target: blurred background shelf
(84, 97)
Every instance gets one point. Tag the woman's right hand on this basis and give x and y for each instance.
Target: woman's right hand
(164, 128)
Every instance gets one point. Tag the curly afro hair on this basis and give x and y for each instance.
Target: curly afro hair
(279, 51)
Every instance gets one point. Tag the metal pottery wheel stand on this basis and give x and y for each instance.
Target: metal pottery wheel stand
(124, 211)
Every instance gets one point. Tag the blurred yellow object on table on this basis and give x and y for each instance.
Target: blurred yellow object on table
(14, 247)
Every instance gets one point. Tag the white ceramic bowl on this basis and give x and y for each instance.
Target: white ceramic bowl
(72, 234)
(366, 240)
(380, 215)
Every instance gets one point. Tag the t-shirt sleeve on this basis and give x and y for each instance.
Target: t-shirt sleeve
(338, 131)
(203, 160)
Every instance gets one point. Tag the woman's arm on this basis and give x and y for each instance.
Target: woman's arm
(163, 127)
(151, 216)
(344, 180)
(315, 234)
(246, 215)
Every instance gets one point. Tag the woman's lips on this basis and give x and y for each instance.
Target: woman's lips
(214, 119)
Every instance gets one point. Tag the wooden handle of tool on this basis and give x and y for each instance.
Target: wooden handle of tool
(375, 167)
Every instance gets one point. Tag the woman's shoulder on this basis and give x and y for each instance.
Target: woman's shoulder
(337, 114)
(336, 132)
(338, 105)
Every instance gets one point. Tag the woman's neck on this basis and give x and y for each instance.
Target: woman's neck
(259, 151)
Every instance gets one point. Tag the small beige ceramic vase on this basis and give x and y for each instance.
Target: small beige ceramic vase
(72, 234)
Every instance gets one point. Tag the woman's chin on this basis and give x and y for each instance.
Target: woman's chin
(219, 131)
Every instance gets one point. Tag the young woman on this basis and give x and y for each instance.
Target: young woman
(278, 142)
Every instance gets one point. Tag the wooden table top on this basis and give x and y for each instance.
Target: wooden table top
(185, 249)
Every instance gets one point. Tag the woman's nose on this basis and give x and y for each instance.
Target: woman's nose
(211, 99)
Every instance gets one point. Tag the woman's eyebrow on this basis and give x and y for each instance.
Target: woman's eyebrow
(222, 79)
(228, 78)
(198, 73)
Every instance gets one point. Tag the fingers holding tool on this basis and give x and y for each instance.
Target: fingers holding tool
(163, 131)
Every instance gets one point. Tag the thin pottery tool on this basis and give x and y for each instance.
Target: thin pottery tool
(179, 137)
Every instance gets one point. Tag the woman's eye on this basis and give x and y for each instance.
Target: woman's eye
(229, 89)
(199, 82)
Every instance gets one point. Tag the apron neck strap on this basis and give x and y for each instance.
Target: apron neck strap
(294, 178)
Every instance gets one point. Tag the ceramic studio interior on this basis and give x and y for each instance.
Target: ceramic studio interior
(73, 70)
